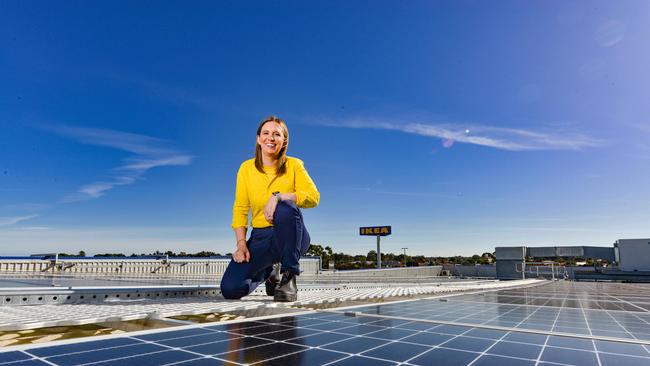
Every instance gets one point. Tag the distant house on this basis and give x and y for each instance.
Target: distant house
(391, 264)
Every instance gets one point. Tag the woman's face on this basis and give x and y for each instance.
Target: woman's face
(271, 139)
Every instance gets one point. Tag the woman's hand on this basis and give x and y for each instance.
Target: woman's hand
(241, 254)
(269, 209)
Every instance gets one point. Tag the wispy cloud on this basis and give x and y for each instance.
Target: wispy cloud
(495, 137)
(148, 153)
(169, 93)
(34, 228)
(120, 239)
(549, 229)
(406, 193)
(642, 127)
(31, 207)
(8, 221)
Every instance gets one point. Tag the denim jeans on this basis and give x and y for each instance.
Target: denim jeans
(283, 242)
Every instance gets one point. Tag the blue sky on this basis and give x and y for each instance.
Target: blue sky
(463, 124)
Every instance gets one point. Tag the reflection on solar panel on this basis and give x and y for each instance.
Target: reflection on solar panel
(545, 308)
(408, 332)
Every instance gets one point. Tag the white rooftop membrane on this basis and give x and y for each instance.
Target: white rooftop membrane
(39, 316)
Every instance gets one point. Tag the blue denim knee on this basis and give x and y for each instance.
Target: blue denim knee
(285, 212)
(233, 290)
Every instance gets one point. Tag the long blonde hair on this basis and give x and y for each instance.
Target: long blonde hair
(281, 159)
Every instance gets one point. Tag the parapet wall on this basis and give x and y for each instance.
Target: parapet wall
(127, 267)
(410, 272)
(185, 268)
(482, 270)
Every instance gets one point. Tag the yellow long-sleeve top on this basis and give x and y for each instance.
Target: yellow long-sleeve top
(255, 188)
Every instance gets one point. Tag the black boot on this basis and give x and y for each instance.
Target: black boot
(287, 290)
(271, 284)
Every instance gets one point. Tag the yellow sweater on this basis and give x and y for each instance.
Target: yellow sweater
(254, 190)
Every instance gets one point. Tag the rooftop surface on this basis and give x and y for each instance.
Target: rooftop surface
(552, 323)
(130, 303)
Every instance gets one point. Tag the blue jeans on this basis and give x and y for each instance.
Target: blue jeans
(283, 242)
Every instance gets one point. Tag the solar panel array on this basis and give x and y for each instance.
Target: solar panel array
(322, 338)
(597, 295)
(577, 321)
(426, 333)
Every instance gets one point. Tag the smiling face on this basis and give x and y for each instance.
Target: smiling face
(271, 139)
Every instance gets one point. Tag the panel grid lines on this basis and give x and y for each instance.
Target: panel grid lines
(565, 330)
(345, 322)
(593, 342)
(546, 302)
(579, 321)
(504, 336)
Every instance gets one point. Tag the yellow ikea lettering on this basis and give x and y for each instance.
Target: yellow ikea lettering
(384, 230)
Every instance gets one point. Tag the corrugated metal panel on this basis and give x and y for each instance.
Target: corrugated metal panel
(634, 254)
(542, 252)
(600, 253)
(135, 268)
(508, 269)
(570, 252)
(510, 253)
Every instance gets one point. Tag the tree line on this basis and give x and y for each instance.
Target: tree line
(347, 261)
(342, 261)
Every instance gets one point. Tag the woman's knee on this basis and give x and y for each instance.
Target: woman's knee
(232, 290)
(285, 211)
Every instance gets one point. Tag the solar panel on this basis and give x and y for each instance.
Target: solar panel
(303, 343)
(623, 321)
(409, 333)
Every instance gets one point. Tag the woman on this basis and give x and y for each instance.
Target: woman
(273, 186)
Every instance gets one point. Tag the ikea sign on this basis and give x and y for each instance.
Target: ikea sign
(375, 230)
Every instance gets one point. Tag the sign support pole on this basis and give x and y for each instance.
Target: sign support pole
(377, 231)
(378, 252)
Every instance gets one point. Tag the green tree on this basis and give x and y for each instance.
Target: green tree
(371, 256)
(99, 255)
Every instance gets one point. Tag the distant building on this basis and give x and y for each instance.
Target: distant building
(570, 252)
(632, 254)
(391, 264)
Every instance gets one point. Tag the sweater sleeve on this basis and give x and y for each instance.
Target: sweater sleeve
(241, 206)
(307, 195)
